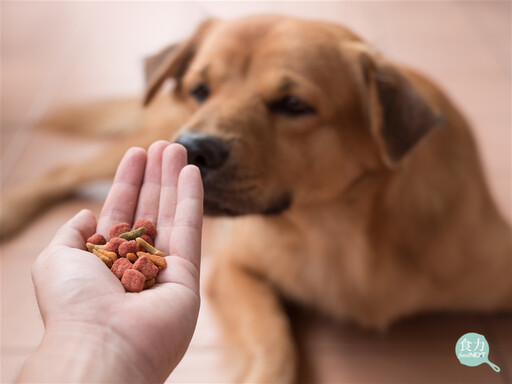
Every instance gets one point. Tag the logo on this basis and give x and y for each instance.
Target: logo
(472, 349)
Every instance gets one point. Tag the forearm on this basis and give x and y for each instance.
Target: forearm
(82, 354)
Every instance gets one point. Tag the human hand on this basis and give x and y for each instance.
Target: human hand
(141, 336)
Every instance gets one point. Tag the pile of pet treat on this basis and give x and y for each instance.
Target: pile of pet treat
(130, 254)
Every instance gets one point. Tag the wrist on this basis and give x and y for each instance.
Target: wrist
(84, 353)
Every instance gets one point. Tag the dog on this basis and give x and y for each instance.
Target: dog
(353, 183)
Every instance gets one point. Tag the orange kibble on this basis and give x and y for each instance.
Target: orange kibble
(159, 261)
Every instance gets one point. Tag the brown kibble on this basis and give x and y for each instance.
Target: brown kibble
(149, 283)
(127, 247)
(146, 267)
(119, 229)
(113, 244)
(103, 258)
(159, 261)
(132, 257)
(97, 239)
(120, 266)
(133, 281)
(111, 255)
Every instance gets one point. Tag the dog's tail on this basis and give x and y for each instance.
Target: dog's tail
(111, 118)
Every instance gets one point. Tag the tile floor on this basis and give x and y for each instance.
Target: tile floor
(55, 53)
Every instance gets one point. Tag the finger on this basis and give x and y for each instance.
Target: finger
(185, 239)
(179, 271)
(122, 198)
(173, 161)
(74, 233)
(149, 196)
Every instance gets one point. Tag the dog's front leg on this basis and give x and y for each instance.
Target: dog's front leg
(254, 323)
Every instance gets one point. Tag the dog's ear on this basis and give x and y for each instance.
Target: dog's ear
(172, 62)
(399, 115)
(154, 62)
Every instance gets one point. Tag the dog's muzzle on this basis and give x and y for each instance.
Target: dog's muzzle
(207, 152)
(226, 193)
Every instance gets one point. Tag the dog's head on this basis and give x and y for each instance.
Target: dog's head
(286, 112)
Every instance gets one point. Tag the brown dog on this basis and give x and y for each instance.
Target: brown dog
(356, 183)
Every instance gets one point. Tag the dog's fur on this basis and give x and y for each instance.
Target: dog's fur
(370, 207)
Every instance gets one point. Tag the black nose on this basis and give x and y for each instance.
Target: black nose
(207, 152)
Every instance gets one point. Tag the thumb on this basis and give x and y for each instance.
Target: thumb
(76, 230)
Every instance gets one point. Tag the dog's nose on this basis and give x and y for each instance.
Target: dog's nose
(205, 151)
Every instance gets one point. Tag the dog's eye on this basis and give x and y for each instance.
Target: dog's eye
(291, 106)
(200, 92)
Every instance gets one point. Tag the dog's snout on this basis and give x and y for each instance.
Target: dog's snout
(204, 151)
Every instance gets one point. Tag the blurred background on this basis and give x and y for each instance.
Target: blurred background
(59, 53)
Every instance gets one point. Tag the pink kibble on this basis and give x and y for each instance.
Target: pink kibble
(113, 244)
(127, 247)
(147, 239)
(146, 267)
(133, 281)
(97, 239)
(120, 266)
(118, 229)
(150, 227)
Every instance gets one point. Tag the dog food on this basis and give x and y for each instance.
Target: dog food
(120, 266)
(132, 235)
(146, 267)
(119, 229)
(114, 243)
(145, 246)
(133, 281)
(150, 228)
(97, 239)
(127, 247)
(132, 257)
(147, 239)
(130, 254)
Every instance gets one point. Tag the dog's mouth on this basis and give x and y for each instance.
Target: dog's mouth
(231, 188)
(238, 202)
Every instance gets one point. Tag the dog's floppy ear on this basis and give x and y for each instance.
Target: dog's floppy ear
(154, 62)
(399, 115)
(172, 62)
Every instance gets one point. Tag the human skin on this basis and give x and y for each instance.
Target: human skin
(94, 330)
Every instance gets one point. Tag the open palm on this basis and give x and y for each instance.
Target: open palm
(75, 289)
